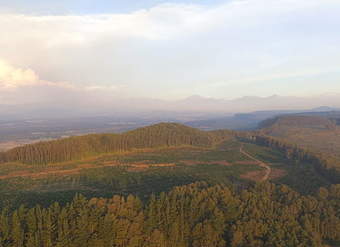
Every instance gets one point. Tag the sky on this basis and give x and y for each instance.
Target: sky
(53, 51)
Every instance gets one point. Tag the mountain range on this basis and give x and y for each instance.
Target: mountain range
(81, 107)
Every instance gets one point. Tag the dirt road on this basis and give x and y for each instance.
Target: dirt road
(260, 163)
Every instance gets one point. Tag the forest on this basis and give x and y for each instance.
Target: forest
(323, 163)
(79, 147)
(168, 185)
(195, 215)
(170, 123)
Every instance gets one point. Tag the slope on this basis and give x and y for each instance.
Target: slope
(316, 133)
(80, 147)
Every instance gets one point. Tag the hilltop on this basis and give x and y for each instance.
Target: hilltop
(297, 121)
(316, 132)
(79, 147)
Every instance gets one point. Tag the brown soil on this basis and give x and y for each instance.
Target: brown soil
(267, 168)
(143, 166)
(50, 171)
(40, 174)
(217, 162)
(277, 173)
(246, 162)
(256, 176)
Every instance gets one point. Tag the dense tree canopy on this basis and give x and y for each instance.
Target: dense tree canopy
(200, 214)
(196, 215)
(74, 148)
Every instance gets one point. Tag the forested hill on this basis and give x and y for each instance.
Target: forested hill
(296, 121)
(194, 215)
(317, 133)
(74, 148)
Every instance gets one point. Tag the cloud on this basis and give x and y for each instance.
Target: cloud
(23, 86)
(37, 98)
(174, 50)
(11, 77)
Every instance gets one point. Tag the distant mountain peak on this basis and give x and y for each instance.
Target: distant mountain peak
(196, 97)
(324, 108)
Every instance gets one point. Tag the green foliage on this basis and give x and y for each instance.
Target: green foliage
(80, 147)
(195, 215)
(195, 201)
(190, 164)
(297, 155)
(319, 134)
(109, 181)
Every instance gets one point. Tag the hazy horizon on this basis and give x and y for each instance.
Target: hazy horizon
(101, 52)
(194, 107)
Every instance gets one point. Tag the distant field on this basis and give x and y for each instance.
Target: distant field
(7, 145)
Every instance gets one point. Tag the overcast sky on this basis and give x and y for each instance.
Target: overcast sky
(168, 49)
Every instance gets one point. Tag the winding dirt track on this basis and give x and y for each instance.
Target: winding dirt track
(259, 163)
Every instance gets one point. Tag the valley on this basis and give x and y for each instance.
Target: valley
(170, 123)
(142, 168)
(152, 163)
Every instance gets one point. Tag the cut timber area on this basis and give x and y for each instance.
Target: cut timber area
(259, 163)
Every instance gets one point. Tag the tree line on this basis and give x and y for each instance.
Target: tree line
(324, 164)
(195, 215)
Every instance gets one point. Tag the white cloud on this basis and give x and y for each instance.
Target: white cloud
(23, 86)
(11, 77)
(177, 49)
